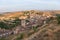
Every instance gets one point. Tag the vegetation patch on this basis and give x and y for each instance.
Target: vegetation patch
(9, 24)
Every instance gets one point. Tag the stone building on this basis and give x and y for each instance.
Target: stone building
(23, 21)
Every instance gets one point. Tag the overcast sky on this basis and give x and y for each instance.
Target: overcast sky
(16, 5)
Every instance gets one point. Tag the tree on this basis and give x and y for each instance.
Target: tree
(3, 25)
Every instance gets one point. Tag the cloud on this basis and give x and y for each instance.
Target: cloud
(10, 5)
(16, 2)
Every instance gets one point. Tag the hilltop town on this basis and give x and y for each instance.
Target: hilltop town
(30, 25)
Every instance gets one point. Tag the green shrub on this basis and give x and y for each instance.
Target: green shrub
(34, 28)
(20, 37)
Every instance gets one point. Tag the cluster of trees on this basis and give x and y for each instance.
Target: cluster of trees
(7, 24)
(58, 18)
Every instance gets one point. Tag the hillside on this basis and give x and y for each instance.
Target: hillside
(50, 31)
(30, 25)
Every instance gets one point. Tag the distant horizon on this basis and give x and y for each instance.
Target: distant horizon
(28, 10)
